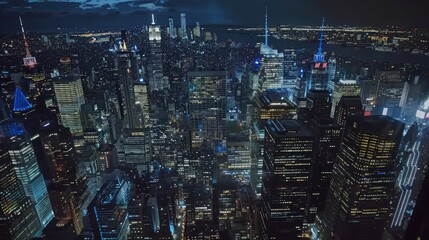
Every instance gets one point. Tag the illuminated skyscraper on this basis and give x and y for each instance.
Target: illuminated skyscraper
(184, 33)
(418, 228)
(157, 81)
(69, 95)
(272, 64)
(108, 212)
(27, 170)
(413, 167)
(343, 88)
(197, 30)
(362, 188)
(390, 97)
(207, 106)
(317, 71)
(171, 28)
(142, 101)
(18, 218)
(288, 153)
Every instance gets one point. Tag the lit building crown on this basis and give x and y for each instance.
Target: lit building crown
(319, 57)
(20, 102)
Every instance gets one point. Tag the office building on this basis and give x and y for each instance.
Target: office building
(414, 153)
(319, 102)
(348, 107)
(183, 28)
(207, 106)
(288, 153)
(171, 28)
(126, 78)
(27, 170)
(347, 88)
(362, 189)
(390, 97)
(18, 217)
(271, 72)
(327, 138)
(108, 212)
(69, 95)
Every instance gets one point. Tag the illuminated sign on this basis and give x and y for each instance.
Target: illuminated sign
(320, 65)
(29, 61)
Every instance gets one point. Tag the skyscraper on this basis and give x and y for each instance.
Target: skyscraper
(361, 194)
(107, 212)
(157, 81)
(184, 33)
(317, 70)
(347, 107)
(327, 139)
(69, 95)
(288, 152)
(18, 218)
(126, 74)
(207, 106)
(413, 167)
(389, 93)
(171, 29)
(319, 102)
(272, 68)
(343, 88)
(27, 170)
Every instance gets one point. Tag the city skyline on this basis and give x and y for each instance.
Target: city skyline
(105, 14)
(175, 130)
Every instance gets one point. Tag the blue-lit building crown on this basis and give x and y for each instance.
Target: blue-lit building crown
(20, 102)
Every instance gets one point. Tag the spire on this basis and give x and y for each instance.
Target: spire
(29, 61)
(318, 57)
(153, 19)
(266, 26)
(27, 50)
(20, 103)
(125, 45)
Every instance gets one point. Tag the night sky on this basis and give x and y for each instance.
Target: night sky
(40, 15)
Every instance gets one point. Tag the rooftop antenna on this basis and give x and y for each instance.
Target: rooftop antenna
(153, 19)
(29, 60)
(319, 57)
(266, 26)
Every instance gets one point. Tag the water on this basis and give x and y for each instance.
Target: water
(359, 53)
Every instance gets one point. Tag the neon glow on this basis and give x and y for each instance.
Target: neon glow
(20, 102)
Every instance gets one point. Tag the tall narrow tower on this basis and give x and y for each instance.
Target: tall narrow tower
(29, 61)
(319, 57)
(266, 26)
(183, 25)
